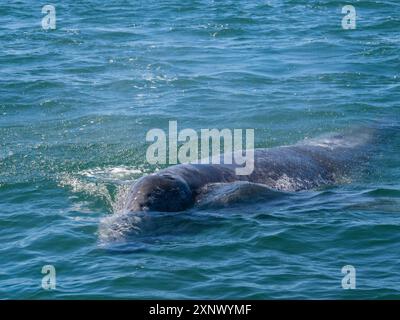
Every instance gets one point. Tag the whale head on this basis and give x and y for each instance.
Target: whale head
(160, 192)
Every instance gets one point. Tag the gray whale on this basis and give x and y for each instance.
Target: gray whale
(308, 164)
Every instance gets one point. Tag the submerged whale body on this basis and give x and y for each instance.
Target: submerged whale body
(306, 165)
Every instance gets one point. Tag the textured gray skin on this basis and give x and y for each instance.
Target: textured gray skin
(306, 165)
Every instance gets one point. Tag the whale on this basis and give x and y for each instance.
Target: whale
(305, 165)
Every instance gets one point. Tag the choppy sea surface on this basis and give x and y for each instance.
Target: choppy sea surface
(76, 104)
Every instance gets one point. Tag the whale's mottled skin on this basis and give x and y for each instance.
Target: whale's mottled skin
(306, 165)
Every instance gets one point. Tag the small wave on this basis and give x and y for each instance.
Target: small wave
(383, 192)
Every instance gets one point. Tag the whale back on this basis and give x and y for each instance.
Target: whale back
(308, 164)
(312, 162)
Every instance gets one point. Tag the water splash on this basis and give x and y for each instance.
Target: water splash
(109, 185)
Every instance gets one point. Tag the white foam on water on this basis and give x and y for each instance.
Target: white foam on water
(112, 173)
(96, 183)
(78, 185)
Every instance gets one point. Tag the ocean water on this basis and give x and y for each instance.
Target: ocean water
(76, 104)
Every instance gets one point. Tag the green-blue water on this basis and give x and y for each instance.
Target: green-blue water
(76, 103)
